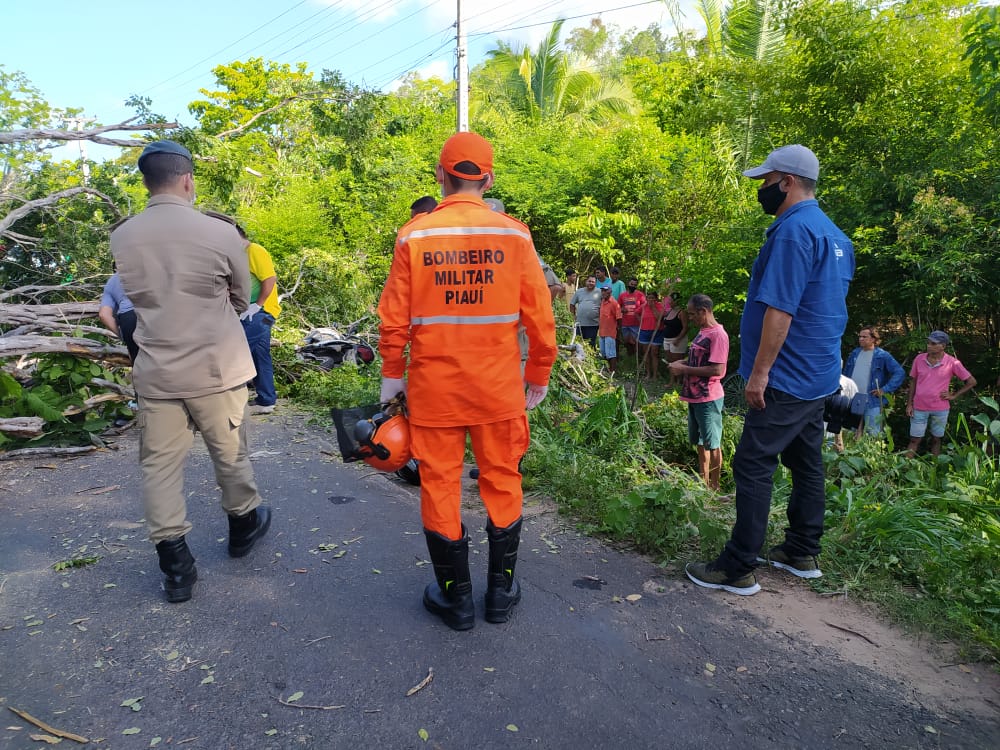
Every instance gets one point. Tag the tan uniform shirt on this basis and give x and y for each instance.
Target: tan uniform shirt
(188, 277)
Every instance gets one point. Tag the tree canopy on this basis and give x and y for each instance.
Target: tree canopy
(614, 145)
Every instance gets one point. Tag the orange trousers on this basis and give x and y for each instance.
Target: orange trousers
(498, 448)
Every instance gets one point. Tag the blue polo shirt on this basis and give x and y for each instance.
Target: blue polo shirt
(114, 296)
(804, 269)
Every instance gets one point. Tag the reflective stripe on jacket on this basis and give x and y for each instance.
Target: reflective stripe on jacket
(462, 279)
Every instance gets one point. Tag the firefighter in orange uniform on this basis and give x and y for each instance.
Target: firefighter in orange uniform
(462, 279)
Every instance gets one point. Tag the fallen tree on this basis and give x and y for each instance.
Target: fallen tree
(16, 346)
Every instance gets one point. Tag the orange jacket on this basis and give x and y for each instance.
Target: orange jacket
(462, 278)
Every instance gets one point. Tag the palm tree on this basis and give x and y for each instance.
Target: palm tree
(747, 35)
(546, 84)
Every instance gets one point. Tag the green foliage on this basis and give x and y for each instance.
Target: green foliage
(931, 524)
(60, 385)
(341, 388)
(982, 39)
(75, 562)
(547, 84)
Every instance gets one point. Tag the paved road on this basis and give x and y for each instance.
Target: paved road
(328, 606)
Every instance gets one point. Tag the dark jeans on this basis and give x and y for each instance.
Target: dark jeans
(126, 329)
(793, 429)
(258, 333)
(588, 333)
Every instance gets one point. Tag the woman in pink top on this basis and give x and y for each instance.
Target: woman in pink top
(930, 393)
(650, 335)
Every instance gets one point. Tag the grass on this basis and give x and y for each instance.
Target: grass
(920, 538)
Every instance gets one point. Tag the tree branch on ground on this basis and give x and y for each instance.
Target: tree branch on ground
(22, 427)
(36, 452)
(15, 346)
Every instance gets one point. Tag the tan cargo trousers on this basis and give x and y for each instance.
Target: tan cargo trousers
(166, 433)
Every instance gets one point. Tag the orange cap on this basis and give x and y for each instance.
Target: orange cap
(470, 147)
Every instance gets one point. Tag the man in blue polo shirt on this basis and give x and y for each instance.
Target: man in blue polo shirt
(790, 335)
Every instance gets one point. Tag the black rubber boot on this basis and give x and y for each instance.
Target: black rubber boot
(450, 596)
(177, 564)
(502, 589)
(244, 531)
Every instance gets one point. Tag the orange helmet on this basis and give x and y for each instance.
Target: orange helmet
(384, 441)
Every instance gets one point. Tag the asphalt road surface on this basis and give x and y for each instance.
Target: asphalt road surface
(318, 637)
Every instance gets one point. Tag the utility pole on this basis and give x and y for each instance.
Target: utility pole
(462, 74)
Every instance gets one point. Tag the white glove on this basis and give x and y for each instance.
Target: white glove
(252, 310)
(390, 387)
(534, 395)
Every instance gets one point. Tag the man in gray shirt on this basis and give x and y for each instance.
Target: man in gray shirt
(586, 306)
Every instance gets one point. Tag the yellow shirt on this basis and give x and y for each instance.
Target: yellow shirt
(261, 268)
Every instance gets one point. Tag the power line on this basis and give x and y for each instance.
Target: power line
(566, 18)
(368, 14)
(326, 9)
(380, 31)
(219, 52)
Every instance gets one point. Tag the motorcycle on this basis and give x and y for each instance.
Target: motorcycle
(329, 347)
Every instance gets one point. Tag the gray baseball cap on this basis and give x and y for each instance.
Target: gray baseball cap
(164, 147)
(794, 159)
(939, 337)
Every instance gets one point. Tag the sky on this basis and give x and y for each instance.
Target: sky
(95, 55)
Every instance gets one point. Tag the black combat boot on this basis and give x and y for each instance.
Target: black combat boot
(177, 564)
(450, 596)
(502, 589)
(244, 531)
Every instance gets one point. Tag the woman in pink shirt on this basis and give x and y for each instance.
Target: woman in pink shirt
(650, 335)
(930, 393)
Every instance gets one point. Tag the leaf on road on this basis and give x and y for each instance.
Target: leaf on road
(155, 741)
(207, 680)
(295, 696)
(271, 732)
(172, 655)
(709, 666)
(423, 735)
(633, 597)
(512, 728)
(489, 669)
(741, 669)
(930, 730)
(376, 571)
(134, 703)
(45, 738)
(131, 730)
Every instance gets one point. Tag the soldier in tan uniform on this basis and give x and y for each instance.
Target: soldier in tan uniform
(188, 277)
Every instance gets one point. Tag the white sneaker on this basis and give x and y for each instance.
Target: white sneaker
(258, 409)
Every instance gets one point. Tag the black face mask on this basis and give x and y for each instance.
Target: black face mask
(771, 198)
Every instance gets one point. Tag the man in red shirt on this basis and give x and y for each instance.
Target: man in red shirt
(607, 328)
(631, 302)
